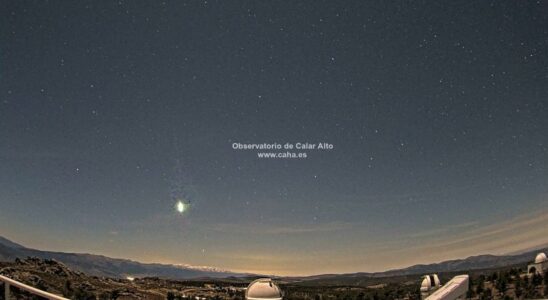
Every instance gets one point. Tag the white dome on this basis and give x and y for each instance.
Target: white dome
(263, 289)
(541, 257)
(430, 282)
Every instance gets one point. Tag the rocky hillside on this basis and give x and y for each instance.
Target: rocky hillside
(55, 277)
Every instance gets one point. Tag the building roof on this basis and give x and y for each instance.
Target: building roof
(263, 289)
(541, 257)
(430, 282)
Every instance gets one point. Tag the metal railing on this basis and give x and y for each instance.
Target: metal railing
(8, 282)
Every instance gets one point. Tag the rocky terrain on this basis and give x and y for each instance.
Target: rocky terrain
(55, 277)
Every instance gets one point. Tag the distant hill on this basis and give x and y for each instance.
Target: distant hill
(470, 263)
(99, 265)
(480, 262)
(8, 243)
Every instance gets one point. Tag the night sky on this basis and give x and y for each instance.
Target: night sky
(113, 112)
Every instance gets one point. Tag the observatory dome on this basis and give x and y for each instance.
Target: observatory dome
(541, 257)
(263, 289)
(430, 282)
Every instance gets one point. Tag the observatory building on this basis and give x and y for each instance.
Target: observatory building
(263, 289)
(429, 284)
(456, 288)
(539, 266)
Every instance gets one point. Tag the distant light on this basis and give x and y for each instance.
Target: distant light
(130, 278)
(180, 207)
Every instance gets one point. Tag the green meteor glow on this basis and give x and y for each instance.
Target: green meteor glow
(181, 207)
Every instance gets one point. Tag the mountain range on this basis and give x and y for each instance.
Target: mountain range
(99, 265)
(477, 264)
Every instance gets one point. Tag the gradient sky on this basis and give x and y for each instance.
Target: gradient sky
(110, 112)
